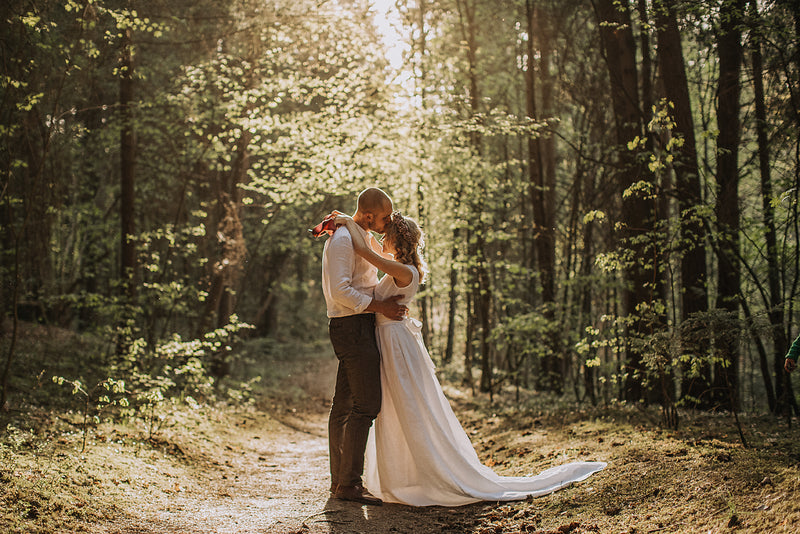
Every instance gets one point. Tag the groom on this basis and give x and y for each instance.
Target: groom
(348, 283)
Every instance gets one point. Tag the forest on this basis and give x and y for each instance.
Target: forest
(608, 191)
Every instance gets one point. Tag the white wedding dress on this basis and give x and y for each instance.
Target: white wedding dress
(417, 452)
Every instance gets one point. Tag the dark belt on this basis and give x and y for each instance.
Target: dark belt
(355, 317)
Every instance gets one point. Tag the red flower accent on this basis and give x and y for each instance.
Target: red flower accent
(327, 225)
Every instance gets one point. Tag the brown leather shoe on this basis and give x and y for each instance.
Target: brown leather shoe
(357, 494)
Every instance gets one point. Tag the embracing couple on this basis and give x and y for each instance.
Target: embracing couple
(416, 453)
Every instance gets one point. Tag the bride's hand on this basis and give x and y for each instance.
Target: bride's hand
(341, 219)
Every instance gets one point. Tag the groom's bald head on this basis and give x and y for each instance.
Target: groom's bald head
(373, 199)
(374, 209)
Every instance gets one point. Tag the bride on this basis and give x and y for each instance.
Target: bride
(417, 452)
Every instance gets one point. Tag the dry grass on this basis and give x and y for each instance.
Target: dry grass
(697, 479)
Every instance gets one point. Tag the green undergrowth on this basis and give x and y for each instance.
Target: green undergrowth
(69, 456)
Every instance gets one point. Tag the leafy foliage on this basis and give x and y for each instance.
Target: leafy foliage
(498, 133)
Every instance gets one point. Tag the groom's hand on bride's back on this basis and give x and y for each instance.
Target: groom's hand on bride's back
(389, 307)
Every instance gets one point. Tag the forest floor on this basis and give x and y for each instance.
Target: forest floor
(263, 469)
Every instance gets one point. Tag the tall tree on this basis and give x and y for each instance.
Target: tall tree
(775, 305)
(420, 69)
(127, 161)
(694, 284)
(480, 286)
(541, 189)
(729, 51)
(619, 51)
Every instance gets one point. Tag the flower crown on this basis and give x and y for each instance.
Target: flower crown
(402, 227)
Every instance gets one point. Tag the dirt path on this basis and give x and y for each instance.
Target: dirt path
(258, 473)
(272, 478)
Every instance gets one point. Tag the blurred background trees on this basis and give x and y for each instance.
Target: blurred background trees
(609, 189)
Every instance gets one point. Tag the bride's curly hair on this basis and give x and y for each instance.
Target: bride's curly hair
(408, 240)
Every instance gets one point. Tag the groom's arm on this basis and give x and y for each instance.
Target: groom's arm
(341, 260)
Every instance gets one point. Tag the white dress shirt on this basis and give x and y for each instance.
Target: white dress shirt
(348, 280)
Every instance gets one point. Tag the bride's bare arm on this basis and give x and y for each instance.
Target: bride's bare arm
(401, 272)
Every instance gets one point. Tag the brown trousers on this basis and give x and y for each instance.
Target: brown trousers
(357, 399)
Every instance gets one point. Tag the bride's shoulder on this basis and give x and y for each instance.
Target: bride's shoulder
(411, 269)
(414, 275)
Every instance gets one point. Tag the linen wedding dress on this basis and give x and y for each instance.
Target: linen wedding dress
(417, 452)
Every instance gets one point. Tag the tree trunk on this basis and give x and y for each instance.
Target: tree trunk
(127, 167)
(451, 304)
(9, 356)
(694, 290)
(481, 291)
(541, 187)
(637, 219)
(587, 264)
(794, 8)
(421, 82)
(647, 63)
(726, 377)
(664, 394)
(547, 238)
(483, 303)
(780, 343)
(468, 346)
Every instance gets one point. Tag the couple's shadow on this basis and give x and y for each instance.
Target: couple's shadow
(345, 517)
